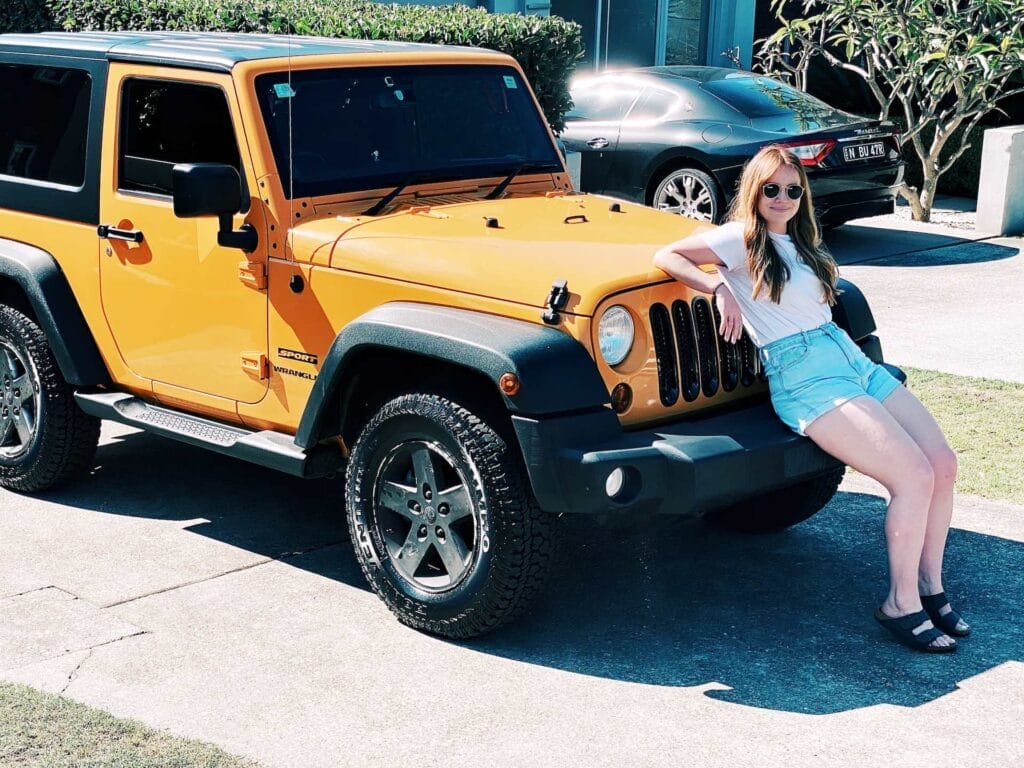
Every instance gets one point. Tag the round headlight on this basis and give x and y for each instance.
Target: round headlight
(615, 334)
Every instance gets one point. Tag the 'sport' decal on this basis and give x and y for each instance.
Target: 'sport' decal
(293, 354)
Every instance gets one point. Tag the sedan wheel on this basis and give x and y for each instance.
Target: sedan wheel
(689, 193)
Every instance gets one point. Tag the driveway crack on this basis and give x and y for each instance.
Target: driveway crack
(280, 557)
(74, 672)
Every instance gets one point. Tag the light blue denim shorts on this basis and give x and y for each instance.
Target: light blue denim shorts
(812, 372)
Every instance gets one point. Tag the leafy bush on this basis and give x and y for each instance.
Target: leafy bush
(24, 16)
(547, 48)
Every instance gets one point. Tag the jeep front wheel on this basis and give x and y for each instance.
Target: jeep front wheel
(442, 518)
(45, 438)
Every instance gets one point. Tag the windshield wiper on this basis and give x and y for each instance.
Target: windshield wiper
(524, 167)
(381, 204)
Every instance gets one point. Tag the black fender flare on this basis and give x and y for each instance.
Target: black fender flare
(851, 311)
(555, 371)
(56, 311)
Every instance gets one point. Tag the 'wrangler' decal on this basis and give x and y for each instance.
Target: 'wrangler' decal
(293, 372)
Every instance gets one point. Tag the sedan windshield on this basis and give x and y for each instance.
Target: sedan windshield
(342, 130)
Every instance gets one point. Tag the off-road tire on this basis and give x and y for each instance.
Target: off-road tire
(779, 509)
(511, 545)
(62, 440)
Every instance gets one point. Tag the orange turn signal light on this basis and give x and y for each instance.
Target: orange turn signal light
(622, 398)
(509, 384)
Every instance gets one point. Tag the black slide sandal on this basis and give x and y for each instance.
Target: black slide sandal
(933, 604)
(902, 628)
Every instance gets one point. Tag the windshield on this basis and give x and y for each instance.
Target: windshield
(769, 102)
(375, 127)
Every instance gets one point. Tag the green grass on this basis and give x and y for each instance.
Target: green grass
(984, 423)
(40, 729)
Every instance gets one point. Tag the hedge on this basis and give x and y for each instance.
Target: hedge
(547, 48)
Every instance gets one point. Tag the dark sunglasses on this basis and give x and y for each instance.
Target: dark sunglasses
(771, 190)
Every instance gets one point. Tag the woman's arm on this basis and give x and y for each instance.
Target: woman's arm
(682, 260)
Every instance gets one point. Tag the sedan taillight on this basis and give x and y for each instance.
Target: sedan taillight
(811, 152)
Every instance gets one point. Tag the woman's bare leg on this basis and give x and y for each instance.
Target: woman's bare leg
(864, 435)
(921, 426)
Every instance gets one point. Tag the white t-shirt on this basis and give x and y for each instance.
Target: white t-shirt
(803, 304)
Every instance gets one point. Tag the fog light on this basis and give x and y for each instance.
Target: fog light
(622, 398)
(615, 483)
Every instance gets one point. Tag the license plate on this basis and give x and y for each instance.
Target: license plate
(863, 151)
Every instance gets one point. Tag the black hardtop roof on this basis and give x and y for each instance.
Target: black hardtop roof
(201, 50)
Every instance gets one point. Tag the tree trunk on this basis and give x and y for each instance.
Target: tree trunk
(917, 212)
(928, 188)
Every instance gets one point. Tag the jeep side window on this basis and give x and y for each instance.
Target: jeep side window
(44, 114)
(164, 123)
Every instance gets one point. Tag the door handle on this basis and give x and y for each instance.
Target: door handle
(597, 143)
(108, 232)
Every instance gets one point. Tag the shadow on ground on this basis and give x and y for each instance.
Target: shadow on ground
(781, 621)
(257, 509)
(853, 244)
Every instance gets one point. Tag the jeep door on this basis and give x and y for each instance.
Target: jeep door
(187, 314)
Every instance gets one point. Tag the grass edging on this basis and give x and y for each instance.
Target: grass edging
(983, 420)
(43, 729)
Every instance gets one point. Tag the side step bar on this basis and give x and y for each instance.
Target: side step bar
(266, 448)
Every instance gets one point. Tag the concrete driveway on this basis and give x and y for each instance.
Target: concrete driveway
(222, 602)
(943, 298)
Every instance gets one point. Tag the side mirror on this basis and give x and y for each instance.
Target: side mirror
(213, 189)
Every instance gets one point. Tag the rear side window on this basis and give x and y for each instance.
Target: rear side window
(164, 123)
(44, 119)
(661, 104)
(602, 99)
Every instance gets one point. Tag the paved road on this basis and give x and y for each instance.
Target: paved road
(222, 602)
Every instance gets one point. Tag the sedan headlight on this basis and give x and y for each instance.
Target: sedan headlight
(615, 334)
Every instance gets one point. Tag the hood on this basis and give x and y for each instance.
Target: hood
(511, 250)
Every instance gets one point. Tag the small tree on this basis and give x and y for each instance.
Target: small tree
(937, 63)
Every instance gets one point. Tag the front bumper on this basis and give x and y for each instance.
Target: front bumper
(686, 467)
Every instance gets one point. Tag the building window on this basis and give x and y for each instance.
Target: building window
(686, 25)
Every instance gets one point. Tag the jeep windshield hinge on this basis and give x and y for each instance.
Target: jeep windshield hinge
(555, 302)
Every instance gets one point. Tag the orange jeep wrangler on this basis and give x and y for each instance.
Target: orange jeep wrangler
(336, 255)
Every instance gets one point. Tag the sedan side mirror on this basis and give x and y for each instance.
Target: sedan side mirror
(213, 189)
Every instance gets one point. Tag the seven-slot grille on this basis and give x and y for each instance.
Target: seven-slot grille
(692, 356)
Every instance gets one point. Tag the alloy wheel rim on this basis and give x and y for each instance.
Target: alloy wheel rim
(425, 516)
(685, 194)
(19, 402)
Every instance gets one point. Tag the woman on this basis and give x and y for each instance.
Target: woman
(776, 280)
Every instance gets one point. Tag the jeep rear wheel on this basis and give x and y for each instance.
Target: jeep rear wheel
(45, 438)
(442, 518)
(779, 509)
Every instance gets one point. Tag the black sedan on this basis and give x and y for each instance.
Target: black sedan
(676, 138)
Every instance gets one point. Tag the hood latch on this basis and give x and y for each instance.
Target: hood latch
(555, 302)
